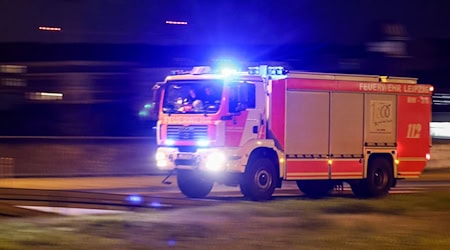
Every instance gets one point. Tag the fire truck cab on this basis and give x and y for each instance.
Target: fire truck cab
(264, 126)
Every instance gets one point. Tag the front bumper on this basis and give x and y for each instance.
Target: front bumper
(208, 159)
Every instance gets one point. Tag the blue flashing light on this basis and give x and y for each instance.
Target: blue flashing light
(179, 72)
(226, 66)
(228, 71)
(134, 199)
(143, 113)
(276, 71)
(155, 204)
(265, 70)
(199, 70)
(254, 71)
(148, 106)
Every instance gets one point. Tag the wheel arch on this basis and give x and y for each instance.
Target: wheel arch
(389, 155)
(385, 155)
(266, 152)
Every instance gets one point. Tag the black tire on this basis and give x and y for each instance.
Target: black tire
(315, 188)
(194, 184)
(379, 177)
(378, 182)
(259, 180)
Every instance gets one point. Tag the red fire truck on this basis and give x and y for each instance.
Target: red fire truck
(259, 128)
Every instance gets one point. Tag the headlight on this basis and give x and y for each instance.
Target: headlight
(202, 143)
(170, 142)
(216, 161)
(160, 156)
(161, 161)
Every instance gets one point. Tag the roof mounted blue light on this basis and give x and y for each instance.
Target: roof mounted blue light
(265, 70)
(201, 70)
(179, 72)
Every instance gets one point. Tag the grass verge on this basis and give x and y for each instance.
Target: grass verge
(408, 221)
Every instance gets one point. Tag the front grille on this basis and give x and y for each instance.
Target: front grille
(186, 162)
(191, 132)
(187, 149)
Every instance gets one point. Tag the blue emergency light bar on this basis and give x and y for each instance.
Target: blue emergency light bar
(179, 72)
(264, 70)
(198, 70)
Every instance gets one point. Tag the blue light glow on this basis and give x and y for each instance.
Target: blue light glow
(143, 113)
(227, 66)
(171, 243)
(228, 71)
(155, 204)
(135, 199)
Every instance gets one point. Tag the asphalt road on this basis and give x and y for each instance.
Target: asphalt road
(38, 196)
(151, 185)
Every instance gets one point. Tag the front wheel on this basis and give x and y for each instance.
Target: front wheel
(259, 180)
(194, 184)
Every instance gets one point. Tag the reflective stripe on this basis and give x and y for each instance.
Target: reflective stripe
(412, 159)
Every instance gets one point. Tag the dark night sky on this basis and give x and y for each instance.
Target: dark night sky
(218, 21)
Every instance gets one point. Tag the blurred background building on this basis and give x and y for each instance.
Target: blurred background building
(86, 67)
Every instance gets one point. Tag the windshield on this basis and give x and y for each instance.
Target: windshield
(198, 96)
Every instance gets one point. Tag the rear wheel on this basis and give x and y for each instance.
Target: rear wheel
(379, 177)
(315, 188)
(259, 180)
(378, 182)
(194, 184)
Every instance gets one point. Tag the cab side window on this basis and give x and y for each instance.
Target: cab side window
(242, 97)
